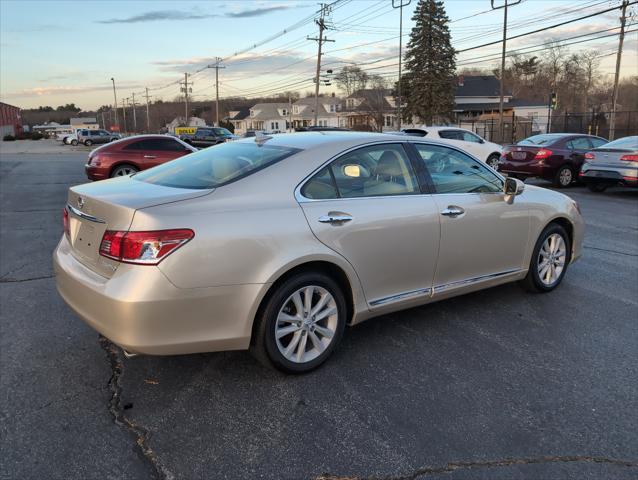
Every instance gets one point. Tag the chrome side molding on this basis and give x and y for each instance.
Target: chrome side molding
(401, 296)
(469, 281)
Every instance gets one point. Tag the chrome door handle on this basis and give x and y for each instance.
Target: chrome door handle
(335, 218)
(453, 211)
(150, 156)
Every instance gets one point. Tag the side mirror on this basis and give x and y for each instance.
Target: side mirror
(513, 186)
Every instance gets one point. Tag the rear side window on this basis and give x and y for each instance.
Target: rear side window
(216, 166)
(451, 134)
(580, 143)
(378, 170)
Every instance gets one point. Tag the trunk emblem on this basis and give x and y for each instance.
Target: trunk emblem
(80, 202)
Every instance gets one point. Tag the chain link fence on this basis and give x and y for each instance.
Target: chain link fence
(516, 128)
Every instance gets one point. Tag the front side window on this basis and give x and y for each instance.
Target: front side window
(579, 143)
(378, 170)
(454, 172)
(599, 142)
(222, 132)
(216, 166)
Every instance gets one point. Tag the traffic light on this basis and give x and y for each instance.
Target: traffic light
(553, 101)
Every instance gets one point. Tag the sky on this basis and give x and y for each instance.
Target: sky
(58, 52)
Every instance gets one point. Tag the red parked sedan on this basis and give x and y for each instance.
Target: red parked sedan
(553, 156)
(133, 154)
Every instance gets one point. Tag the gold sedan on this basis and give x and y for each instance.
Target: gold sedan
(275, 244)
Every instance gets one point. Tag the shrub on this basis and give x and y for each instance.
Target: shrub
(36, 136)
(8, 138)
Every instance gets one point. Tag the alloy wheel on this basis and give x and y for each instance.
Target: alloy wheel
(565, 177)
(123, 171)
(306, 324)
(551, 259)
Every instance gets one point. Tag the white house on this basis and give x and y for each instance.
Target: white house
(303, 112)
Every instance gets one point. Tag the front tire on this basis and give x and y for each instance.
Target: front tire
(74, 142)
(564, 177)
(301, 323)
(88, 143)
(550, 259)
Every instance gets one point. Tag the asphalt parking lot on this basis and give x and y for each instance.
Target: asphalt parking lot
(500, 384)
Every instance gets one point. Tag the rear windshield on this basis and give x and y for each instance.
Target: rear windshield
(215, 166)
(627, 143)
(539, 140)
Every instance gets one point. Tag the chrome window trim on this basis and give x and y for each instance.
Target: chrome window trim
(469, 281)
(85, 216)
(401, 296)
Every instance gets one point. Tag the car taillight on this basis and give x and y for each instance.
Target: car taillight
(590, 156)
(144, 248)
(629, 158)
(65, 222)
(542, 154)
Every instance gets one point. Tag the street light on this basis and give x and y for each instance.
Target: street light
(115, 97)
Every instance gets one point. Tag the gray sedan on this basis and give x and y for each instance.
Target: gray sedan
(615, 163)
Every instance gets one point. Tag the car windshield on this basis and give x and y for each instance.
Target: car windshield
(627, 143)
(539, 140)
(215, 166)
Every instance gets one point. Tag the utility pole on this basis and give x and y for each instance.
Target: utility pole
(400, 4)
(502, 94)
(103, 121)
(124, 110)
(148, 115)
(115, 104)
(614, 100)
(134, 116)
(216, 66)
(185, 89)
(325, 9)
(290, 115)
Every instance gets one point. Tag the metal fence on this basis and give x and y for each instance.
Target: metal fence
(516, 128)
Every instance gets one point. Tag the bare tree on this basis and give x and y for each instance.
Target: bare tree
(350, 79)
(590, 61)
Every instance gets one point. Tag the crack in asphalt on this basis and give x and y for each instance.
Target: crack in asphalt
(453, 466)
(139, 433)
(611, 251)
(20, 280)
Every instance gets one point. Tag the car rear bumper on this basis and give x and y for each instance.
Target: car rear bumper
(526, 169)
(140, 310)
(610, 175)
(96, 173)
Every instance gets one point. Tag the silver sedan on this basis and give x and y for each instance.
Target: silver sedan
(275, 244)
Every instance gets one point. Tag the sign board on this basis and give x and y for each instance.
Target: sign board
(185, 130)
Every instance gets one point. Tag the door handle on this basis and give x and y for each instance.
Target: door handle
(452, 211)
(150, 156)
(335, 218)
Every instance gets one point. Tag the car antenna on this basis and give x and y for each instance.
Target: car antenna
(261, 138)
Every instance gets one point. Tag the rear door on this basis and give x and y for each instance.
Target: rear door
(367, 205)
(469, 143)
(481, 234)
(156, 151)
(577, 147)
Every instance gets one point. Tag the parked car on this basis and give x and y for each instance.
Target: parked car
(615, 163)
(209, 136)
(317, 128)
(132, 154)
(253, 133)
(71, 138)
(556, 157)
(266, 243)
(469, 141)
(91, 137)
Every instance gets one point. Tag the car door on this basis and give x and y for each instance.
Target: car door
(482, 234)
(367, 205)
(577, 148)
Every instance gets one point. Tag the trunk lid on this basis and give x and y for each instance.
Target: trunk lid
(520, 153)
(110, 205)
(610, 157)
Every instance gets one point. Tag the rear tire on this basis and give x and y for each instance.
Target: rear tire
(88, 143)
(123, 170)
(492, 161)
(597, 187)
(550, 259)
(300, 324)
(564, 177)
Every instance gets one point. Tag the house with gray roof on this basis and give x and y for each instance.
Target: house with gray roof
(303, 112)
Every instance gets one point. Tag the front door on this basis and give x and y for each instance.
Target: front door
(368, 207)
(482, 235)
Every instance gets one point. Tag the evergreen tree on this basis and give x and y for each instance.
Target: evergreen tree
(429, 82)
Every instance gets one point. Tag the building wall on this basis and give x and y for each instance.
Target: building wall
(10, 120)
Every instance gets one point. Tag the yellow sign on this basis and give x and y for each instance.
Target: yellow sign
(185, 130)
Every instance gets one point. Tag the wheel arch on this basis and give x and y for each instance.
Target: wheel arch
(325, 266)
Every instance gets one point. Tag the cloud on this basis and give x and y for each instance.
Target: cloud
(65, 89)
(160, 15)
(257, 12)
